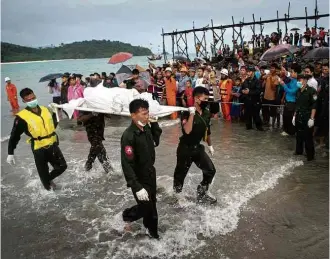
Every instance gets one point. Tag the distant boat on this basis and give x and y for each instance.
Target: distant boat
(155, 57)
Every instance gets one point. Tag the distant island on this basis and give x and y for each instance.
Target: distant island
(76, 50)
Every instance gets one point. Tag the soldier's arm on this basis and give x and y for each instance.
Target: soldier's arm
(128, 162)
(208, 138)
(187, 121)
(314, 103)
(156, 131)
(19, 128)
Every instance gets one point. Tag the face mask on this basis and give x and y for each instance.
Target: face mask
(141, 124)
(299, 84)
(203, 104)
(32, 104)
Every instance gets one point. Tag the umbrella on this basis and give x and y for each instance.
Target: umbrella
(295, 29)
(200, 60)
(50, 77)
(124, 70)
(120, 57)
(318, 53)
(181, 58)
(278, 51)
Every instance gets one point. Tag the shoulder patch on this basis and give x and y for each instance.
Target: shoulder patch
(129, 151)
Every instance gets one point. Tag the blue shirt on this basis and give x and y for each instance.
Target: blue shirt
(182, 83)
(291, 89)
(257, 74)
(193, 81)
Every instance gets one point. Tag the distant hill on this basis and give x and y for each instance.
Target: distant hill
(76, 50)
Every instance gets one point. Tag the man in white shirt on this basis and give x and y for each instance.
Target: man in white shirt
(201, 81)
(308, 72)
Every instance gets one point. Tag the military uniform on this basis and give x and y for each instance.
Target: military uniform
(95, 134)
(190, 150)
(305, 103)
(137, 159)
(251, 102)
(40, 127)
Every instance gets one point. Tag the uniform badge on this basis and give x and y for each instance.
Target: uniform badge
(129, 151)
(315, 97)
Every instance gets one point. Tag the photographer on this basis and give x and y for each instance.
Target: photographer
(55, 89)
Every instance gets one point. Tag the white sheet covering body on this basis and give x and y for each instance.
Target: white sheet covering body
(114, 101)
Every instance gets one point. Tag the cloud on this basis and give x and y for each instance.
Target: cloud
(40, 23)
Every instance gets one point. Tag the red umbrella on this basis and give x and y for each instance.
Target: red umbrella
(120, 57)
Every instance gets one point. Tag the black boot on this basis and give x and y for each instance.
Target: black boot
(88, 165)
(107, 167)
(202, 195)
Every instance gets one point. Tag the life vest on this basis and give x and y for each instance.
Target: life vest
(41, 128)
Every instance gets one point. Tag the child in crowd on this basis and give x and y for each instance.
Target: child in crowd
(235, 111)
(187, 97)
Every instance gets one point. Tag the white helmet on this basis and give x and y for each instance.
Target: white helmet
(168, 69)
(7, 79)
(224, 71)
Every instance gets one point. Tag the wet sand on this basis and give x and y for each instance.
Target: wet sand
(290, 221)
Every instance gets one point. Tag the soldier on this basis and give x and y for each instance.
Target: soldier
(138, 144)
(250, 95)
(94, 124)
(304, 118)
(195, 127)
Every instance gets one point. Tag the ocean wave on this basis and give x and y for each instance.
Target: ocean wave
(3, 139)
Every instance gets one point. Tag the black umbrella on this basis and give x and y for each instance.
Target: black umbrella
(295, 29)
(181, 58)
(124, 70)
(318, 53)
(50, 77)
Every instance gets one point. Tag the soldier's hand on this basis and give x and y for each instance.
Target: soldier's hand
(142, 195)
(294, 121)
(11, 159)
(192, 110)
(310, 123)
(153, 118)
(211, 150)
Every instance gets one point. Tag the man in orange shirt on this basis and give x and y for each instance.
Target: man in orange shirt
(171, 90)
(225, 86)
(11, 94)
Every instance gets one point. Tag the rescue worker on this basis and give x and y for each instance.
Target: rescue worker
(250, 96)
(170, 90)
(11, 94)
(195, 127)
(37, 122)
(94, 125)
(138, 144)
(225, 86)
(303, 118)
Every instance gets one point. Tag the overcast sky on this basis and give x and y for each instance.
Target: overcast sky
(139, 22)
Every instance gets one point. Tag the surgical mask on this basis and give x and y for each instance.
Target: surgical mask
(32, 104)
(203, 104)
(299, 84)
(141, 124)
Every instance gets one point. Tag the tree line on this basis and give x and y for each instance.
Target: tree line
(76, 50)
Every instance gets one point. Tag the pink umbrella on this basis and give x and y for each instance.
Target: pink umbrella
(120, 57)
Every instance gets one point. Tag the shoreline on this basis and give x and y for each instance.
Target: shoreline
(290, 220)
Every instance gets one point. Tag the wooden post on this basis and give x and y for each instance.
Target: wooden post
(316, 14)
(306, 24)
(164, 50)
